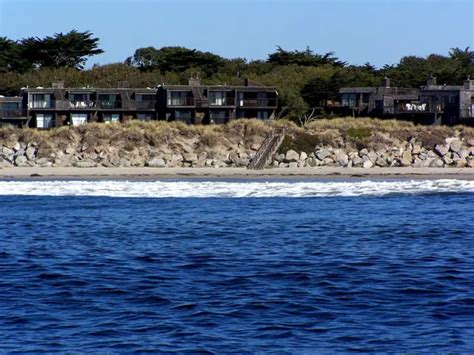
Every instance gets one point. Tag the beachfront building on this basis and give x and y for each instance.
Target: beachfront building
(12, 111)
(430, 104)
(194, 103)
(58, 106)
(197, 103)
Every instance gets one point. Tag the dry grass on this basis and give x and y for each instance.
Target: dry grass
(360, 132)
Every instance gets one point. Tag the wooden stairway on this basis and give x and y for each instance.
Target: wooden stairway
(199, 99)
(267, 150)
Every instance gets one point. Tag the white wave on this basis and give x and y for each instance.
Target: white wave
(163, 189)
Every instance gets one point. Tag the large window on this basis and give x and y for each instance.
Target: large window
(44, 120)
(111, 117)
(218, 116)
(145, 116)
(179, 98)
(217, 98)
(349, 100)
(78, 119)
(365, 98)
(262, 115)
(40, 101)
(109, 101)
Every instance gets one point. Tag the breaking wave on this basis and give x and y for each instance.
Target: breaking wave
(203, 189)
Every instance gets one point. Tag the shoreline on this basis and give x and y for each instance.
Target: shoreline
(317, 173)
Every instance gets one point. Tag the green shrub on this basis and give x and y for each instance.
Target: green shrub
(299, 142)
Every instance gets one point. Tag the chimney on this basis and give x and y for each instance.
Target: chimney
(431, 81)
(57, 85)
(194, 82)
(468, 84)
(386, 82)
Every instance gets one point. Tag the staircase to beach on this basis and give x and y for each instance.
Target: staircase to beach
(267, 150)
(199, 99)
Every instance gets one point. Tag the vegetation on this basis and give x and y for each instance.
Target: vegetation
(304, 79)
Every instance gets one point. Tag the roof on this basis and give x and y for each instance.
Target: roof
(11, 99)
(357, 90)
(218, 87)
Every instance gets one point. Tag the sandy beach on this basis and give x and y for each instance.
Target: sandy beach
(138, 173)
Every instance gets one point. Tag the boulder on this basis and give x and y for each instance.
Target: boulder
(43, 162)
(156, 162)
(372, 156)
(327, 161)
(322, 154)
(441, 150)
(293, 165)
(5, 163)
(342, 158)
(189, 157)
(406, 158)
(416, 149)
(303, 156)
(292, 156)
(21, 161)
(437, 163)
(455, 146)
(312, 162)
(367, 164)
(357, 161)
(470, 163)
(470, 142)
(381, 162)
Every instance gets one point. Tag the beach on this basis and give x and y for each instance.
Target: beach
(147, 173)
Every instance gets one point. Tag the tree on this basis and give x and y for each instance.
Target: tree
(176, 59)
(68, 50)
(11, 57)
(304, 58)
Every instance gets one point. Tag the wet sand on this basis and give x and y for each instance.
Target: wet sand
(144, 173)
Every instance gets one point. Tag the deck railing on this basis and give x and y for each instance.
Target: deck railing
(109, 105)
(257, 102)
(13, 113)
(186, 101)
(145, 105)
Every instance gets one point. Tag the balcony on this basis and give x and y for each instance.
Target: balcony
(44, 104)
(13, 113)
(257, 103)
(230, 101)
(82, 105)
(109, 105)
(145, 105)
(186, 101)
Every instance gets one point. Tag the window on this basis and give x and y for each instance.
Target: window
(262, 115)
(78, 119)
(80, 100)
(262, 99)
(349, 100)
(145, 116)
(179, 98)
(10, 106)
(365, 98)
(108, 101)
(145, 97)
(44, 120)
(182, 115)
(145, 101)
(217, 98)
(111, 117)
(218, 116)
(40, 101)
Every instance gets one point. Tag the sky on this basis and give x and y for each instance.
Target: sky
(358, 31)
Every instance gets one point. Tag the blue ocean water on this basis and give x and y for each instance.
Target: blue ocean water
(329, 274)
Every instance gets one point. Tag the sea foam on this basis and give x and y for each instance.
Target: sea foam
(182, 189)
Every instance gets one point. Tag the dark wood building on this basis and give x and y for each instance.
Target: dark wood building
(430, 104)
(12, 111)
(196, 103)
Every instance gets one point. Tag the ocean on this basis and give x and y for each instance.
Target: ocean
(237, 266)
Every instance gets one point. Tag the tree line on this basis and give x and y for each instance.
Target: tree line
(304, 79)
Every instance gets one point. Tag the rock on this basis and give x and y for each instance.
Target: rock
(303, 156)
(275, 164)
(327, 161)
(190, 157)
(279, 158)
(461, 163)
(441, 150)
(255, 146)
(364, 152)
(357, 161)
(5, 163)
(437, 163)
(416, 149)
(372, 156)
(455, 146)
(367, 164)
(470, 163)
(292, 156)
(312, 162)
(293, 165)
(283, 165)
(43, 162)
(342, 158)
(218, 163)
(156, 163)
(17, 146)
(464, 153)
(322, 154)
(70, 150)
(447, 160)
(406, 158)
(381, 162)
(21, 160)
(470, 142)
(85, 164)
